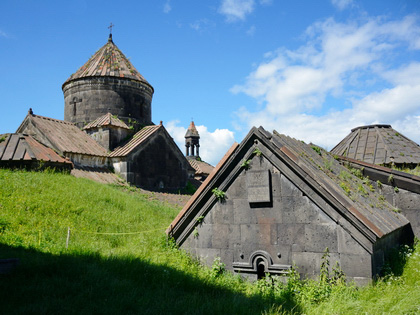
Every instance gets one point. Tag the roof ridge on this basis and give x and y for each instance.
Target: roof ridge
(53, 119)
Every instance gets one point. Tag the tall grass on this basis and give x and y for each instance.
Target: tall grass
(118, 260)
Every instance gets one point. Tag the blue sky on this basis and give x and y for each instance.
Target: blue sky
(310, 69)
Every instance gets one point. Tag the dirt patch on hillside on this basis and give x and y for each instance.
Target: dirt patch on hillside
(176, 200)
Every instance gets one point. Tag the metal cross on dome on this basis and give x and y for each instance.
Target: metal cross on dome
(110, 28)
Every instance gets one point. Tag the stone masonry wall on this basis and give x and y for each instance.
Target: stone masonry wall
(287, 226)
(89, 98)
(154, 166)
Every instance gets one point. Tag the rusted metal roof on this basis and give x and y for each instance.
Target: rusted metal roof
(378, 144)
(106, 120)
(200, 167)
(137, 139)
(108, 61)
(348, 194)
(192, 131)
(22, 147)
(61, 135)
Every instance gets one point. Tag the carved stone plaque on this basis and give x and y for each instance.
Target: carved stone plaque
(258, 184)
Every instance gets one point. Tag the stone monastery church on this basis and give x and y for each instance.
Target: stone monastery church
(107, 125)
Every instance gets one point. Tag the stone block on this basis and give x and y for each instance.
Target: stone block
(356, 265)
(243, 214)
(258, 186)
(320, 236)
(347, 244)
(238, 188)
(290, 234)
(256, 235)
(204, 237)
(222, 213)
(225, 236)
(288, 188)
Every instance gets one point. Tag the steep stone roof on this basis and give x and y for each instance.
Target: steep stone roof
(201, 167)
(106, 120)
(108, 61)
(22, 147)
(135, 141)
(378, 144)
(318, 175)
(192, 131)
(60, 135)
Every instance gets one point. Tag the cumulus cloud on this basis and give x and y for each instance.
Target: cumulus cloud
(213, 144)
(344, 76)
(236, 9)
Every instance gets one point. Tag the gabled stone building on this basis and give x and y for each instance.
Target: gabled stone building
(273, 201)
(108, 125)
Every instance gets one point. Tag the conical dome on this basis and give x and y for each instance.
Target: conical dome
(192, 131)
(108, 61)
(108, 83)
(379, 144)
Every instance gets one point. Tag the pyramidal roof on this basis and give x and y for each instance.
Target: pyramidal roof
(192, 131)
(106, 120)
(378, 144)
(108, 61)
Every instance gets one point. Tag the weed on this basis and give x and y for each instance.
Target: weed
(257, 152)
(346, 188)
(195, 233)
(361, 189)
(316, 149)
(245, 164)
(396, 189)
(218, 268)
(390, 178)
(2, 139)
(379, 184)
(219, 194)
(200, 219)
(327, 165)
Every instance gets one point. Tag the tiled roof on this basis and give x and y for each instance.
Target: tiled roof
(21, 147)
(378, 144)
(200, 167)
(63, 136)
(321, 171)
(106, 120)
(192, 131)
(137, 139)
(108, 61)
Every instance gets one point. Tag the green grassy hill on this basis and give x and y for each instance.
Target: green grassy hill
(118, 260)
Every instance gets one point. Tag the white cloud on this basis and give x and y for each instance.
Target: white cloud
(346, 75)
(167, 6)
(213, 145)
(236, 9)
(201, 24)
(342, 4)
(251, 31)
(4, 34)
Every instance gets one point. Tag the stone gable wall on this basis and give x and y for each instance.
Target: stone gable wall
(154, 166)
(287, 229)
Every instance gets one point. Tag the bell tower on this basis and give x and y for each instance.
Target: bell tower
(192, 142)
